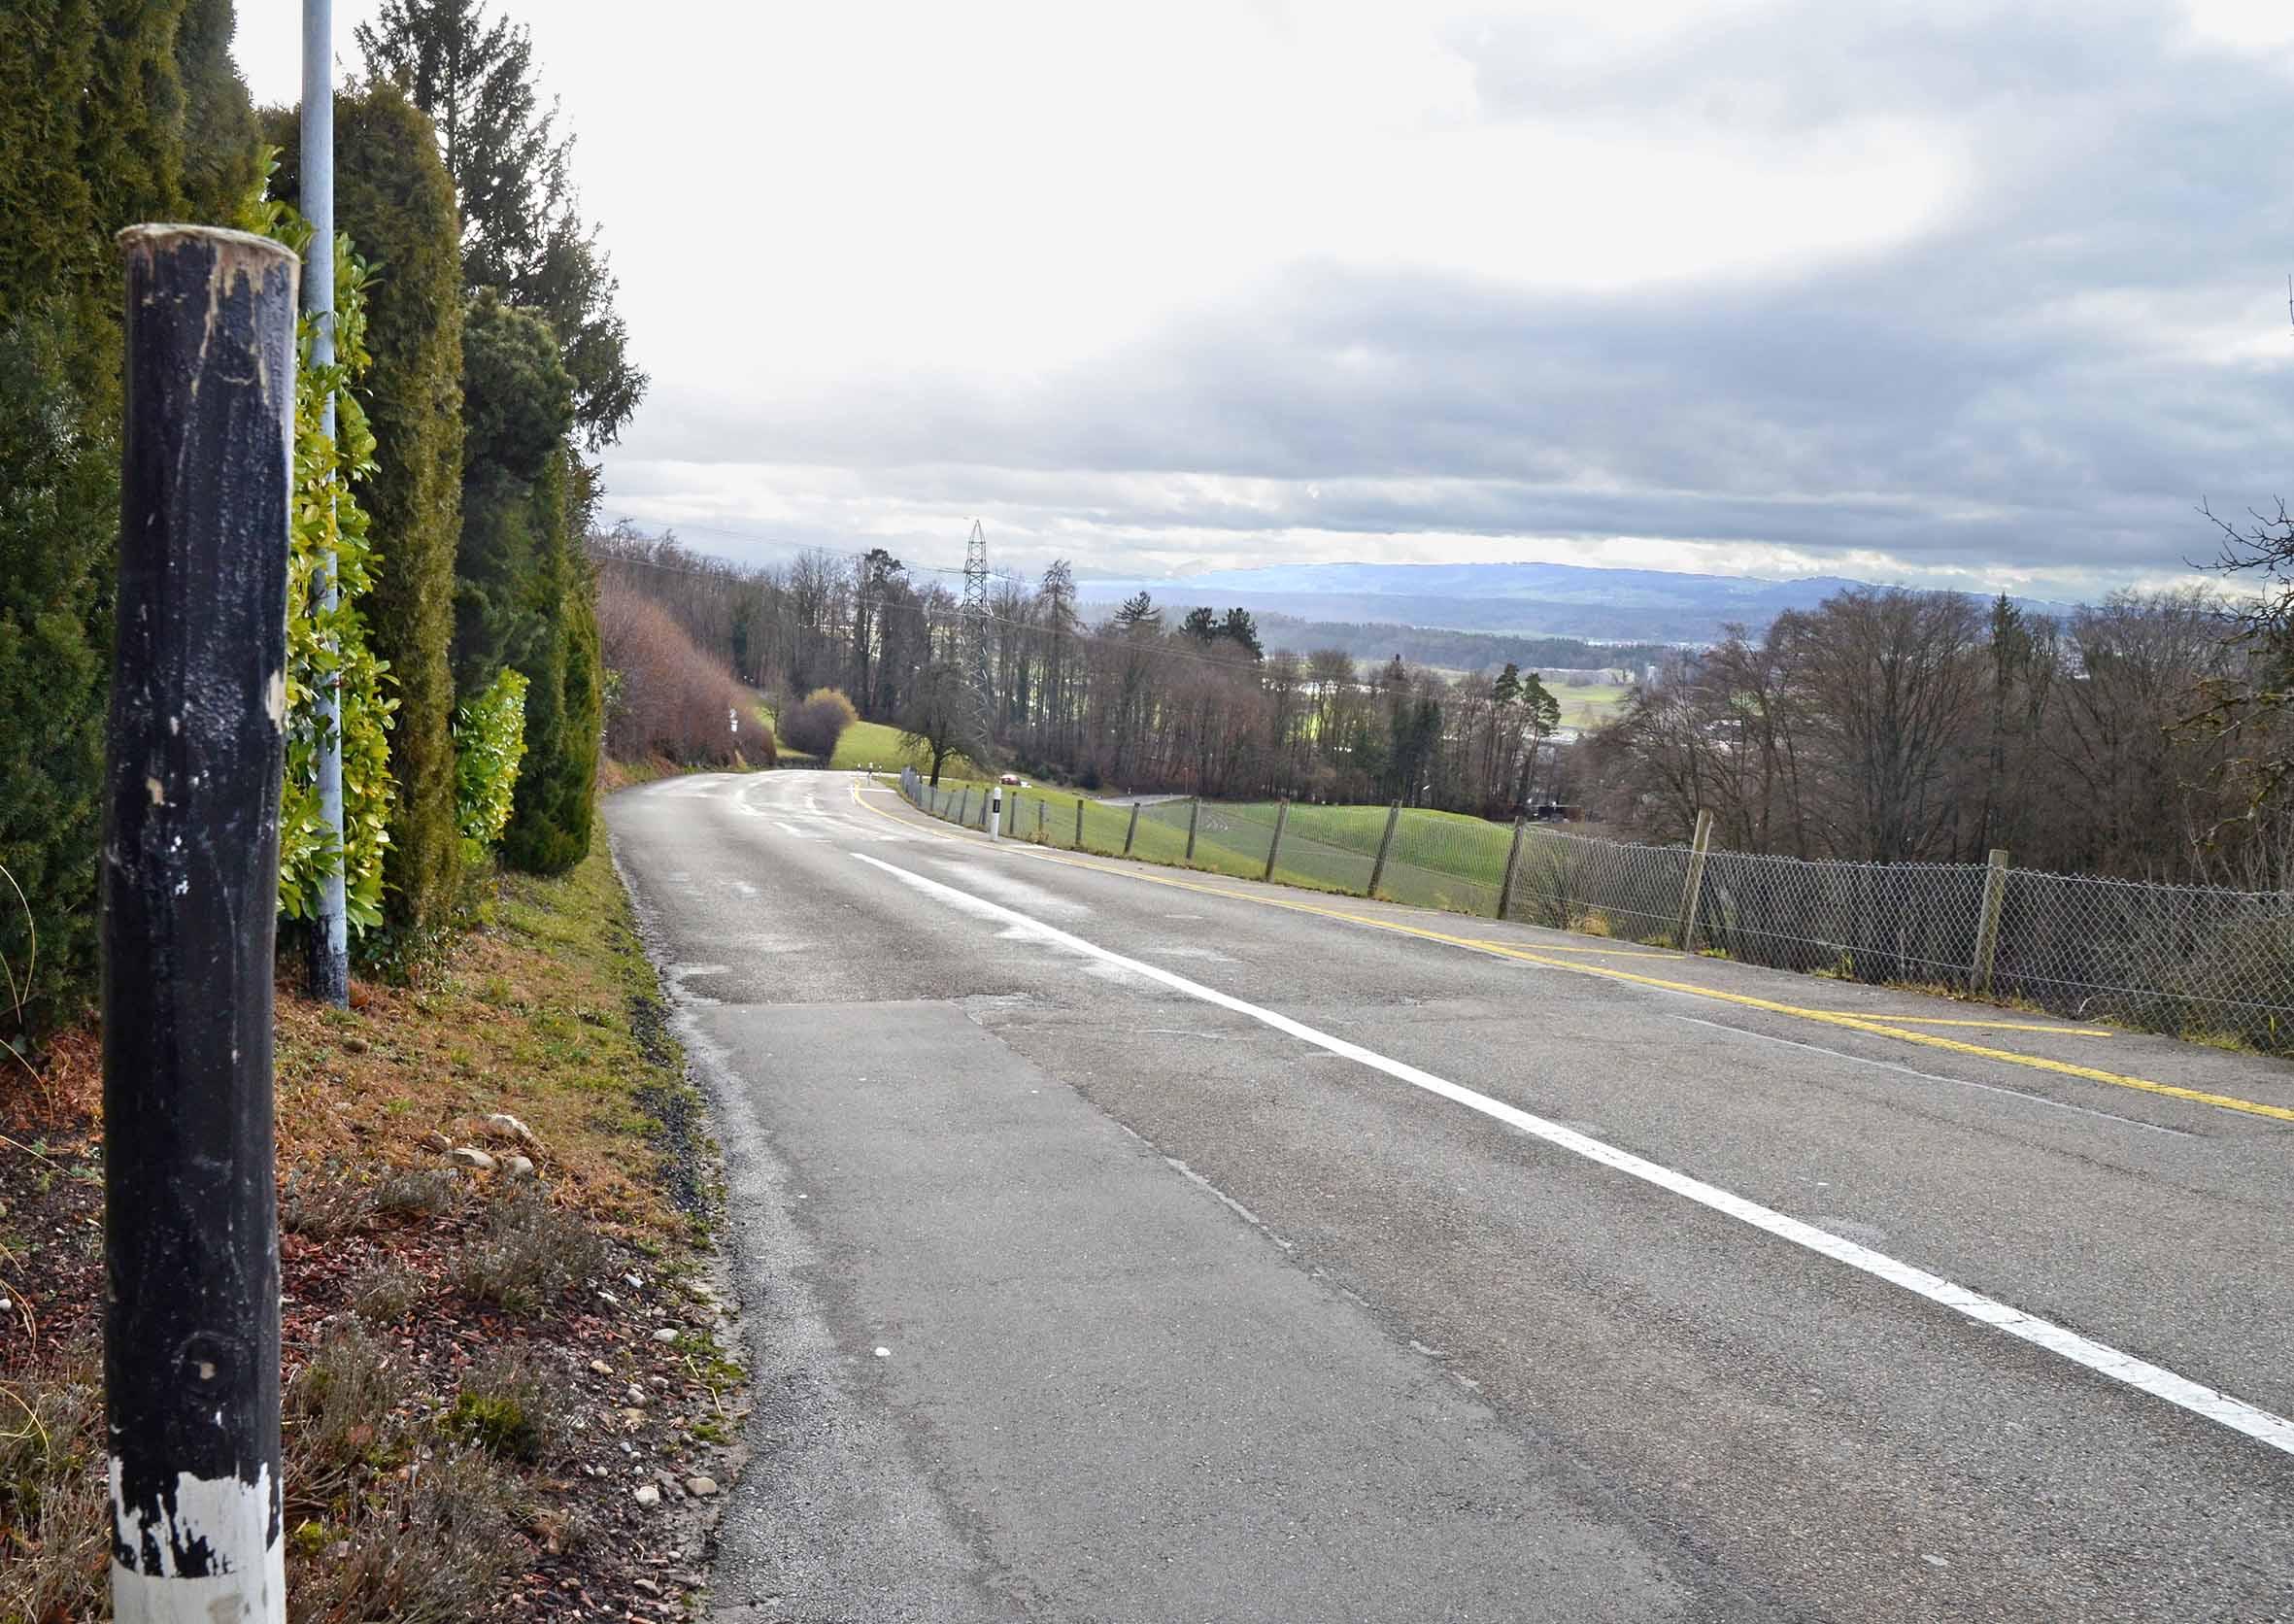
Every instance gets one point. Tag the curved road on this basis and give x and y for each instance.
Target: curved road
(1122, 1243)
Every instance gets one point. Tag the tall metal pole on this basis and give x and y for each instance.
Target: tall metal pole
(330, 943)
(189, 896)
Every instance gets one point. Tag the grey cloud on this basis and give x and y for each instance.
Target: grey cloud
(1929, 403)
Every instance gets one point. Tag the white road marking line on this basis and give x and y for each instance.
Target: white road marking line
(1932, 1076)
(2273, 1431)
(793, 829)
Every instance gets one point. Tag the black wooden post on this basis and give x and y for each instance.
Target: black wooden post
(189, 896)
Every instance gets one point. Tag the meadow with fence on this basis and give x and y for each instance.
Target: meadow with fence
(2195, 962)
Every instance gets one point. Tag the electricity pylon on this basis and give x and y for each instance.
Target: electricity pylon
(973, 647)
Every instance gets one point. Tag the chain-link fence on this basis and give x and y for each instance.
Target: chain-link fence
(2188, 960)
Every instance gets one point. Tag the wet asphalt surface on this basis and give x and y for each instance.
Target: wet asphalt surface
(1182, 1317)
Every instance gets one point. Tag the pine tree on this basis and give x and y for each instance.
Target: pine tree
(521, 233)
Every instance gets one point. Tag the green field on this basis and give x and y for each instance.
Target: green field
(1590, 707)
(1443, 860)
(877, 744)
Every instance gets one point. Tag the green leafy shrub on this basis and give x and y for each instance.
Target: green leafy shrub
(329, 645)
(490, 742)
(549, 829)
(393, 197)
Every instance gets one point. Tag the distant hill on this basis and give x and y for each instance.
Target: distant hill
(1527, 599)
(1369, 642)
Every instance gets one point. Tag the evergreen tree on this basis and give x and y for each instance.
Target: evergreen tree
(221, 154)
(517, 408)
(521, 233)
(96, 99)
(522, 594)
(551, 816)
(59, 524)
(393, 197)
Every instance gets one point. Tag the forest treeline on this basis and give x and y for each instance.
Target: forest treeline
(482, 364)
(2145, 738)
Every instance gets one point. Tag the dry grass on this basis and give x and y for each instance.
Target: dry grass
(396, 1509)
(536, 1016)
(53, 1491)
(427, 1547)
(529, 1255)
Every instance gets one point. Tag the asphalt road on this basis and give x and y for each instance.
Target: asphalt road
(1121, 1244)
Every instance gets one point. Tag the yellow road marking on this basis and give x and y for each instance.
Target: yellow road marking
(1827, 1017)
(1606, 952)
(1997, 1026)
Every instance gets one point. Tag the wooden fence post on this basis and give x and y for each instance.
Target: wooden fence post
(1194, 814)
(1385, 845)
(1040, 805)
(1512, 864)
(1130, 830)
(1079, 823)
(189, 898)
(1987, 925)
(1282, 816)
(1684, 935)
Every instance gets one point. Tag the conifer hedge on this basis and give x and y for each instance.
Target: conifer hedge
(99, 100)
(523, 596)
(394, 199)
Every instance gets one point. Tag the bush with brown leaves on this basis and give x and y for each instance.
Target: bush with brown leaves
(666, 697)
(814, 725)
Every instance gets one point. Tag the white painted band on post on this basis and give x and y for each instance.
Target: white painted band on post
(232, 1520)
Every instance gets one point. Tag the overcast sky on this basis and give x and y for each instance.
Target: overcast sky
(1940, 293)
